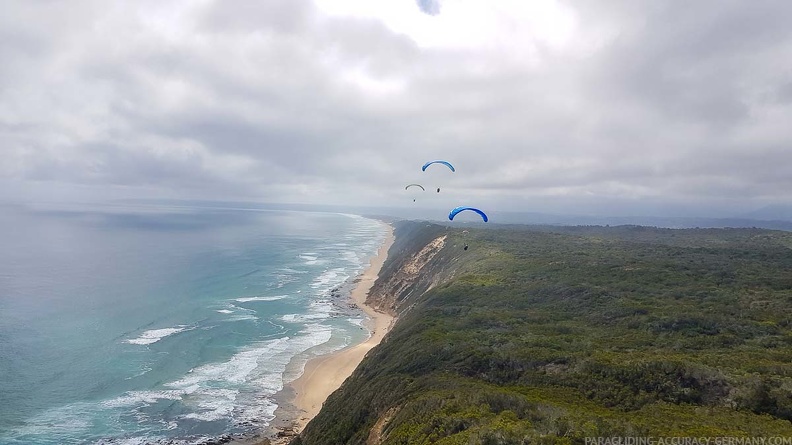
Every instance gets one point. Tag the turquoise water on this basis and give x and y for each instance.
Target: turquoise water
(137, 325)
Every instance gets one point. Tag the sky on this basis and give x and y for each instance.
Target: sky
(609, 108)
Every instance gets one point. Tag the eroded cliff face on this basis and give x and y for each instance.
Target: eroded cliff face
(414, 266)
(423, 256)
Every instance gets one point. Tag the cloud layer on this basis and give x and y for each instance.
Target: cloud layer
(630, 106)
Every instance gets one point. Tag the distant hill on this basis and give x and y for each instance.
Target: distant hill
(651, 221)
(771, 213)
(554, 334)
(774, 217)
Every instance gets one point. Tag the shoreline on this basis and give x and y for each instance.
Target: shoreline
(300, 400)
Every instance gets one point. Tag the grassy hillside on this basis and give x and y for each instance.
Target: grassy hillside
(556, 334)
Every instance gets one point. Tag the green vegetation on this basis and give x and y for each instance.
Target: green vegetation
(552, 334)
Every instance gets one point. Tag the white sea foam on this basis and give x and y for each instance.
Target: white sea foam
(302, 318)
(242, 317)
(234, 370)
(357, 322)
(312, 335)
(350, 256)
(139, 398)
(65, 421)
(330, 278)
(285, 278)
(212, 404)
(145, 440)
(324, 305)
(225, 311)
(262, 410)
(211, 390)
(240, 308)
(71, 423)
(251, 409)
(310, 258)
(155, 335)
(272, 298)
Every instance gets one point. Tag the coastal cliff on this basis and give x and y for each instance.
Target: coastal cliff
(559, 334)
(415, 264)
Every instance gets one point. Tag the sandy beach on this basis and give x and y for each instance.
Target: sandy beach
(325, 374)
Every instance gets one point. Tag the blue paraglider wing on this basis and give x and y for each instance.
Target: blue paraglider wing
(415, 185)
(459, 209)
(446, 163)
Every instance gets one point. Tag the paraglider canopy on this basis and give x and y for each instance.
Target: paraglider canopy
(446, 163)
(415, 185)
(460, 209)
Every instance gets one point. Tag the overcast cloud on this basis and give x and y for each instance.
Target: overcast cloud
(543, 106)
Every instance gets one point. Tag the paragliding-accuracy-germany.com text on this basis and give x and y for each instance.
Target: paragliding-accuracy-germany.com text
(719, 440)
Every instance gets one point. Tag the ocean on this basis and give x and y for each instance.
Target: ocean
(142, 324)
